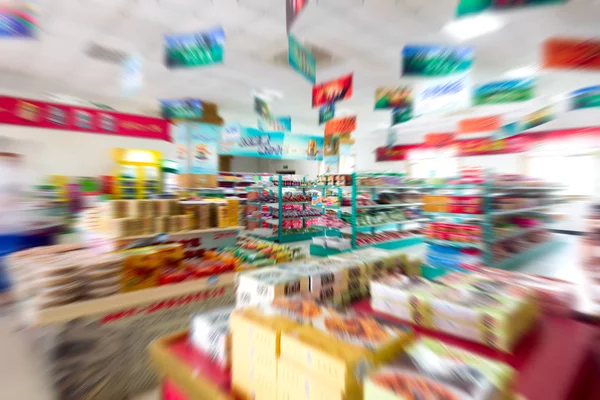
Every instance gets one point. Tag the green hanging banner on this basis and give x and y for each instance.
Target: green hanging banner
(436, 60)
(509, 91)
(467, 7)
(588, 97)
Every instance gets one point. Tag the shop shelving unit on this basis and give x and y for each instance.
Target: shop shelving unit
(488, 191)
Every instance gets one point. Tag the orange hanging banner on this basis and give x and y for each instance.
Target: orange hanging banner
(439, 139)
(340, 125)
(482, 124)
(569, 53)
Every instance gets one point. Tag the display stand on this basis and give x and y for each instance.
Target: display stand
(547, 367)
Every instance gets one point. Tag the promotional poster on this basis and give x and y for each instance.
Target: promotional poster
(397, 97)
(402, 114)
(204, 140)
(181, 139)
(508, 91)
(569, 53)
(18, 19)
(588, 97)
(332, 91)
(181, 109)
(302, 60)
(340, 125)
(436, 60)
(442, 95)
(194, 49)
(326, 113)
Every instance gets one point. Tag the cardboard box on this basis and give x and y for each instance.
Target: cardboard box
(429, 369)
(319, 276)
(270, 283)
(204, 181)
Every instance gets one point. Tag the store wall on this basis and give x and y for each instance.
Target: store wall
(501, 163)
(50, 151)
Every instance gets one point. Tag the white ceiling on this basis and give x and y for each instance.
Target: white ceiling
(366, 37)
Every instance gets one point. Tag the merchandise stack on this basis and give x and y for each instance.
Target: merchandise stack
(295, 345)
(470, 306)
(209, 333)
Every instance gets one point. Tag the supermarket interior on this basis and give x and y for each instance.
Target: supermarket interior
(299, 199)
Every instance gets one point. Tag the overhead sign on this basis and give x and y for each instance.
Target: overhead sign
(181, 109)
(442, 95)
(332, 91)
(302, 60)
(326, 113)
(251, 142)
(508, 91)
(466, 7)
(569, 53)
(18, 19)
(436, 60)
(588, 97)
(276, 124)
(194, 49)
(16, 111)
(293, 9)
(488, 123)
(393, 97)
(340, 125)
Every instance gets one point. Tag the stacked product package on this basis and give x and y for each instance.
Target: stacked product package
(266, 284)
(429, 369)
(472, 307)
(209, 332)
(295, 348)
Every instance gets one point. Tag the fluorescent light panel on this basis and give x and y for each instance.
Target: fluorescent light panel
(471, 27)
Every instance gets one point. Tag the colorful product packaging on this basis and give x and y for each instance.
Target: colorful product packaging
(266, 284)
(430, 369)
(142, 266)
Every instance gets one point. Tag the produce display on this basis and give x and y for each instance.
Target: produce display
(365, 239)
(429, 369)
(472, 307)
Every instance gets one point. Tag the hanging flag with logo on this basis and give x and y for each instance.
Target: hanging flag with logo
(402, 114)
(194, 49)
(508, 91)
(568, 53)
(326, 113)
(442, 95)
(293, 9)
(436, 60)
(466, 7)
(132, 78)
(18, 19)
(302, 60)
(588, 97)
(393, 97)
(262, 108)
(277, 124)
(332, 91)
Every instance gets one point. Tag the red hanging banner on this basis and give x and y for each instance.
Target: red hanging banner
(39, 114)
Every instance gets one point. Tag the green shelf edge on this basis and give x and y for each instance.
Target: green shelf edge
(528, 255)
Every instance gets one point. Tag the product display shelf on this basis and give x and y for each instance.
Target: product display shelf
(529, 254)
(373, 191)
(488, 191)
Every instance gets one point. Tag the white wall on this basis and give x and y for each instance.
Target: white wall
(50, 151)
(500, 163)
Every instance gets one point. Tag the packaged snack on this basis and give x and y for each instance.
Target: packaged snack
(320, 276)
(430, 369)
(267, 284)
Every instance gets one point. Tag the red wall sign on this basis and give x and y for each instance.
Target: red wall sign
(15, 111)
(486, 146)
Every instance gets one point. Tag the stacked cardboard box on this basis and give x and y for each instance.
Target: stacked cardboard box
(266, 284)
(472, 307)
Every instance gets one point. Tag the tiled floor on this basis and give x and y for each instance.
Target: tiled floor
(21, 371)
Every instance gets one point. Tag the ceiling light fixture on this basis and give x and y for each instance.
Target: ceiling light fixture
(522, 72)
(471, 27)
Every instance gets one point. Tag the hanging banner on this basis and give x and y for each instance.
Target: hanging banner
(18, 19)
(588, 97)
(194, 49)
(488, 123)
(340, 125)
(331, 146)
(508, 91)
(531, 120)
(326, 113)
(181, 109)
(486, 146)
(439, 139)
(205, 148)
(436, 60)
(262, 108)
(15, 111)
(302, 60)
(293, 9)
(568, 53)
(466, 7)
(331, 164)
(277, 124)
(397, 97)
(332, 91)
(132, 77)
(442, 95)
(402, 114)
(347, 159)
(181, 139)
(251, 142)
